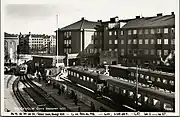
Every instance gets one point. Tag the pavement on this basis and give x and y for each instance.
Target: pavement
(63, 99)
(10, 102)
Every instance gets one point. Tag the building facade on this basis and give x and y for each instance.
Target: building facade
(106, 41)
(11, 42)
(24, 47)
(74, 39)
(143, 40)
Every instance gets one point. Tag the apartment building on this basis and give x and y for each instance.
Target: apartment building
(142, 40)
(74, 39)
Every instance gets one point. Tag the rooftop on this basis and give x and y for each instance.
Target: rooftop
(155, 21)
(10, 35)
(81, 24)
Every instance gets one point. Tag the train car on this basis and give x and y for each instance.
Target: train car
(157, 79)
(21, 70)
(87, 78)
(119, 71)
(149, 100)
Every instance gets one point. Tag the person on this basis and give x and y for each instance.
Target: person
(59, 91)
(39, 76)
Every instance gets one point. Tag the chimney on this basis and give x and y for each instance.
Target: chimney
(137, 17)
(159, 14)
(29, 33)
(172, 13)
(82, 18)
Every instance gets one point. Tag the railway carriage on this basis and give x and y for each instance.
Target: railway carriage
(145, 77)
(157, 79)
(148, 99)
(21, 70)
(87, 78)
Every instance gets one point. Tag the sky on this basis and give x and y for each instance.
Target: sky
(40, 16)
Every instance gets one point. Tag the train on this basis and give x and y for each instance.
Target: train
(21, 70)
(157, 79)
(123, 93)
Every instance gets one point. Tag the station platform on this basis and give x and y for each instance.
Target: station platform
(63, 98)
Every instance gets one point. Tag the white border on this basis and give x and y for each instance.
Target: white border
(89, 113)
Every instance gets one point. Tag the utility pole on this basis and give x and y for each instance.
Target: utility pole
(137, 87)
(57, 43)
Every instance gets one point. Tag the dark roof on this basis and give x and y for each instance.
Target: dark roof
(10, 35)
(81, 24)
(39, 35)
(156, 21)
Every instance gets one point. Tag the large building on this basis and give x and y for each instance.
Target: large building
(37, 44)
(106, 41)
(142, 40)
(74, 39)
(10, 47)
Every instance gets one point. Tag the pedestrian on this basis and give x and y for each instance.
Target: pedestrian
(79, 109)
(59, 91)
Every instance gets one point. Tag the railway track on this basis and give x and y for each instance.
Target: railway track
(24, 104)
(44, 101)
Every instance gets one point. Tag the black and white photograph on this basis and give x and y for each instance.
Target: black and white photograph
(90, 58)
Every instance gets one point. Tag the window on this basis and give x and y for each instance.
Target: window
(146, 51)
(152, 31)
(134, 41)
(158, 79)
(158, 41)
(140, 31)
(122, 41)
(172, 41)
(140, 41)
(146, 41)
(158, 52)
(146, 31)
(140, 51)
(165, 52)
(152, 41)
(129, 51)
(95, 33)
(122, 32)
(172, 30)
(77, 75)
(129, 41)
(110, 49)
(110, 32)
(95, 50)
(115, 33)
(129, 32)
(87, 78)
(91, 80)
(64, 33)
(110, 41)
(166, 41)
(116, 89)
(116, 41)
(115, 49)
(135, 52)
(122, 52)
(171, 82)
(165, 30)
(99, 49)
(134, 31)
(152, 52)
(158, 30)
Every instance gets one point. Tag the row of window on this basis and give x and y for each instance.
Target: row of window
(67, 50)
(142, 76)
(67, 34)
(115, 41)
(150, 31)
(144, 51)
(110, 49)
(85, 78)
(149, 41)
(67, 41)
